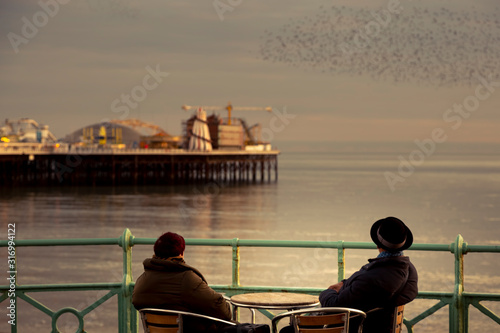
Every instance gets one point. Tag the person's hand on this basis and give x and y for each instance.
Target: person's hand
(336, 286)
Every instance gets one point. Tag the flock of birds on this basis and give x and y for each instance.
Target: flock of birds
(421, 45)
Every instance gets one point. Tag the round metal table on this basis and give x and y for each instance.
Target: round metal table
(274, 301)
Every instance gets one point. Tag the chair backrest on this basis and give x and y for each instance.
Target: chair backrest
(157, 322)
(398, 319)
(324, 320)
(333, 323)
(169, 321)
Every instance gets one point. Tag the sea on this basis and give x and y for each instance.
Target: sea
(324, 192)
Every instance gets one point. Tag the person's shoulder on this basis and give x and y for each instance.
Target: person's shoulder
(159, 264)
(149, 264)
(401, 262)
(412, 267)
(193, 273)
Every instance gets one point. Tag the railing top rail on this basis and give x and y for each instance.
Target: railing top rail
(246, 243)
(63, 242)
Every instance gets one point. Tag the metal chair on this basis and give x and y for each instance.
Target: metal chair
(169, 321)
(398, 316)
(398, 319)
(326, 320)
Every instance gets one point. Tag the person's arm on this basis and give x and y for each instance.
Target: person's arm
(204, 299)
(410, 290)
(336, 286)
(329, 296)
(357, 293)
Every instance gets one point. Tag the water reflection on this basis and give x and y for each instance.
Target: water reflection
(322, 198)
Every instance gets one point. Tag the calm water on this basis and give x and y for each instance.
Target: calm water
(319, 196)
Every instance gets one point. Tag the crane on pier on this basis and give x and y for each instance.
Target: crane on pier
(229, 108)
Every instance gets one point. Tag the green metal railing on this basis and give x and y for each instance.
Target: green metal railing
(458, 301)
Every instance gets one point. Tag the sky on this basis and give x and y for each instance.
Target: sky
(333, 71)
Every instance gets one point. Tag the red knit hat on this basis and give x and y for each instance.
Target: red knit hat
(169, 245)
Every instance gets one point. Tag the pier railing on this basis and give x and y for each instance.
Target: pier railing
(458, 301)
(66, 149)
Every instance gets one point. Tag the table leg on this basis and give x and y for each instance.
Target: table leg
(253, 316)
(235, 313)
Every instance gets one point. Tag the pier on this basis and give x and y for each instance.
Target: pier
(34, 165)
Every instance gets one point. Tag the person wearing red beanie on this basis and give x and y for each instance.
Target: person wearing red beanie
(169, 283)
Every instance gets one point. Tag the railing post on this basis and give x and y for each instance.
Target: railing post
(127, 315)
(458, 309)
(341, 261)
(236, 263)
(236, 273)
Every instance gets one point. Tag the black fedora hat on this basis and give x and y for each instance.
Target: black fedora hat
(391, 234)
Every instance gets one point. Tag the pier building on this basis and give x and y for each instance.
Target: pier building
(129, 133)
(25, 130)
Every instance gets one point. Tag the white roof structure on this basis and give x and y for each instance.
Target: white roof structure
(200, 136)
(130, 132)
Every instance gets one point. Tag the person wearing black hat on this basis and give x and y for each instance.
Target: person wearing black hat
(385, 282)
(169, 283)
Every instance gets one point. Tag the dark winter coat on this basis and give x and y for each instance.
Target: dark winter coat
(172, 284)
(382, 283)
